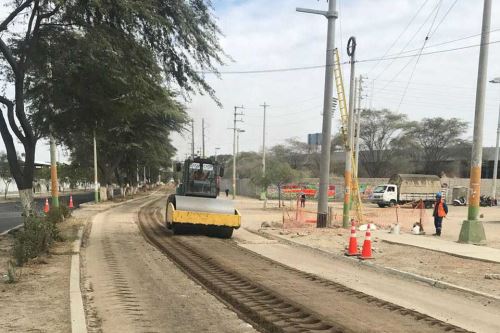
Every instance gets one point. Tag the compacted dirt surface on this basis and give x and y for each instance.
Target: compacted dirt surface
(129, 286)
(39, 299)
(466, 273)
(325, 306)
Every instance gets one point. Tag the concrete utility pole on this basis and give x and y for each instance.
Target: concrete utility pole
(192, 138)
(137, 171)
(236, 114)
(263, 195)
(203, 137)
(264, 140)
(53, 173)
(331, 16)
(495, 166)
(351, 51)
(358, 125)
(216, 148)
(96, 183)
(472, 230)
(238, 131)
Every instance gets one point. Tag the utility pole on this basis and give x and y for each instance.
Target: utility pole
(137, 172)
(264, 140)
(53, 173)
(238, 131)
(264, 191)
(472, 230)
(203, 137)
(495, 166)
(216, 148)
(192, 138)
(331, 16)
(358, 125)
(236, 114)
(351, 51)
(96, 184)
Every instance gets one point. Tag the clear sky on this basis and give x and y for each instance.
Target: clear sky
(261, 35)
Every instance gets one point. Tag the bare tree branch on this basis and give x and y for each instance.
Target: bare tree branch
(10, 114)
(11, 150)
(8, 56)
(15, 12)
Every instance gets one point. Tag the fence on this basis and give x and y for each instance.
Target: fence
(383, 218)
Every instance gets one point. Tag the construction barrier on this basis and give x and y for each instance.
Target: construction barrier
(406, 217)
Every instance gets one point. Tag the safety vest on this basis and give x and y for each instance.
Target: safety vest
(439, 209)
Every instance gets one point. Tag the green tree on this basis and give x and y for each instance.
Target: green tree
(181, 37)
(276, 172)
(380, 131)
(432, 141)
(5, 172)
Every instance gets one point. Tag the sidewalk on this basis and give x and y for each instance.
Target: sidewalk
(467, 251)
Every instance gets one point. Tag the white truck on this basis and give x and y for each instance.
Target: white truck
(404, 188)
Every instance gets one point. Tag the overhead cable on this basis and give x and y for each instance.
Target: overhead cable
(291, 69)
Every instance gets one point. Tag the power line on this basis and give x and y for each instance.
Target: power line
(444, 17)
(291, 69)
(400, 35)
(443, 43)
(420, 54)
(434, 52)
(408, 43)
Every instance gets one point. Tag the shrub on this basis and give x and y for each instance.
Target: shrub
(35, 238)
(54, 215)
(65, 211)
(11, 273)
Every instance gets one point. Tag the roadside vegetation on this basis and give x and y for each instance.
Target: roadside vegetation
(389, 144)
(117, 72)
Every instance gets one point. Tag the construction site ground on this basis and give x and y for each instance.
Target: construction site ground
(477, 275)
(128, 285)
(39, 299)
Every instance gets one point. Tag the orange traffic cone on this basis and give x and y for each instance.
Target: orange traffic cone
(366, 253)
(70, 201)
(353, 244)
(46, 207)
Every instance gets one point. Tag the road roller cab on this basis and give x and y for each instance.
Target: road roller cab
(195, 206)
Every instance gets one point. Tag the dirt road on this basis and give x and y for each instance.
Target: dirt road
(131, 287)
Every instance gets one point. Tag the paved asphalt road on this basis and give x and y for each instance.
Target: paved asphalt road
(10, 212)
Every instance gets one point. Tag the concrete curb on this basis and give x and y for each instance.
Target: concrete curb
(440, 251)
(77, 310)
(12, 229)
(389, 270)
(78, 321)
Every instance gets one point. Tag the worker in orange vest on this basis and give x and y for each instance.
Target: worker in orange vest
(440, 211)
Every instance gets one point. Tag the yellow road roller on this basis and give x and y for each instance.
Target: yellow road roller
(195, 207)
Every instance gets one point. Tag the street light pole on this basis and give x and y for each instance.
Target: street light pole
(495, 166)
(264, 191)
(472, 230)
(53, 173)
(358, 126)
(331, 16)
(216, 148)
(236, 114)
(203, 137)
(351, 50)
(238, 131)
(96, 184)
(192, 138)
